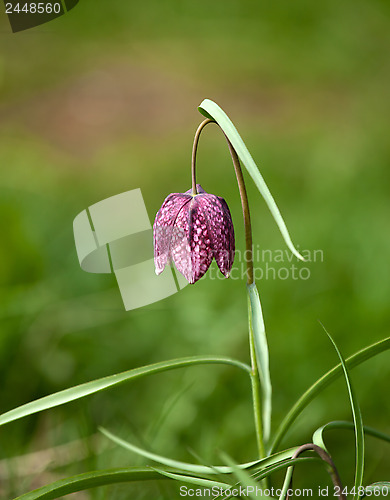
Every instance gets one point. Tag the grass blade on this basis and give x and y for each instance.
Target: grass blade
(286, 483)
(251, 486)
(357, 420)
(199, 481)
(256, 467)
(262, 357)
(318, 436)
(211, 110)
(283, 465)
(329, 377)
(80, 391)
(183, 466)
(90, 480)
(278, 466)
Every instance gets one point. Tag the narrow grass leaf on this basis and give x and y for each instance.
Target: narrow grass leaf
(211, 110)
(256, 322)
(323, 382)
(318, 436)
(286, 483)
(264, 472)
(80, 391)
(283, 465)
(256, 467)
(250, 486)
(357, 420)
(89, 480)
(199, 481)
(251, 479)
(183, 466)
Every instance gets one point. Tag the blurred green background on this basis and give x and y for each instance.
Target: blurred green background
(104, 100)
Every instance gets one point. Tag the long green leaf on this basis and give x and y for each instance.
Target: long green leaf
(277, 466)
(91, 480)
(322, 383)
(211, 110)
(273, 460)
(357, 420)
(251, 487)
(282, 465)
(286, 483)
(183, 466)
(80, 391)
(318, 436)
(256, 466)
(287, 479)
(262, 357)
(199, 481)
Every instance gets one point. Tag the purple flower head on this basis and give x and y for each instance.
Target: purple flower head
(191, 230)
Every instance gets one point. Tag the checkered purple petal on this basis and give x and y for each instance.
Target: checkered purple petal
(220, 230)
(164, 228)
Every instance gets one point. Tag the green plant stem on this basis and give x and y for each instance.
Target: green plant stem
(334, 475)
(256, 392)
(242, 190)
(194, 151)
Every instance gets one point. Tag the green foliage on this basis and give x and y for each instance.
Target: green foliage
(91, 480)
(257, 329)
(105, 383)
(211, 110)
(357, 422)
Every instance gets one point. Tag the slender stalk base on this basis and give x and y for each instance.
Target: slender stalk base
(256, 390)
(334, 475)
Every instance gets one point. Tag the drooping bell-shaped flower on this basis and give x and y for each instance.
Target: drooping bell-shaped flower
(191, 230)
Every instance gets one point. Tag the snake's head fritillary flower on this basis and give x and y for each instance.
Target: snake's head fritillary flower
(191, 230)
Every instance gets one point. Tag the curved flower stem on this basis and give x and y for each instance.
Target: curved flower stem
(243, 195)
(328, 460)
(249, 272)
(194, 151)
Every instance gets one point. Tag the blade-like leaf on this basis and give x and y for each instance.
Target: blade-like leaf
(80, 391)
(287, 479)
(275, 459)
(199, 481)
(183, 466)
(251, 487)
(277, 466)
(286, 483)
(256, 466)
(357, 420)
(256, 322)
(211, 110)
(90, 480)
(283, 465)
(322, 383)
(318, 436)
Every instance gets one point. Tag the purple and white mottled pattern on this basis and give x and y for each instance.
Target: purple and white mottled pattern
(163, 228)
(190, 231)
(221, 231)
